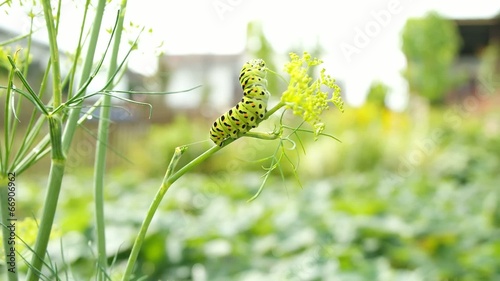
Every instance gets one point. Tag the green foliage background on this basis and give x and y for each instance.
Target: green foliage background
(388, 203)
(430, 45)
(392, 201)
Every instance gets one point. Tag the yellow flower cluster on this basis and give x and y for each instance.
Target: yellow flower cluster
(305, 96)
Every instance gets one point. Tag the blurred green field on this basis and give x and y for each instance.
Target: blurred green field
(382, 195)
(404, 196)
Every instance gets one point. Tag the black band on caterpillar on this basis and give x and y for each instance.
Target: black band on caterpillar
(250, 110)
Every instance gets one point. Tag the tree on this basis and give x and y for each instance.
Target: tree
(377, 94)
(430, 45)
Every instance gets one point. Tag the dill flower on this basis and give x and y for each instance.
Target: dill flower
(305, 96)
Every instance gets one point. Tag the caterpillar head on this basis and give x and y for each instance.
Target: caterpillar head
(253, 71)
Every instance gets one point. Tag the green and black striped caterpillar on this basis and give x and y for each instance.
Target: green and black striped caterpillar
(250, 110)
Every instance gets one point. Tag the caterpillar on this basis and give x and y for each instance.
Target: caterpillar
(247, 113)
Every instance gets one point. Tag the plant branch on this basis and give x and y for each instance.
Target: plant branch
(165, 185)
(101, 151)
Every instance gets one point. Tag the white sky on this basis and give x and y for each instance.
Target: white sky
(219, 27)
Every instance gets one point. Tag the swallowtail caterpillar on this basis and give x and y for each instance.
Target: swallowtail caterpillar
(252, 108)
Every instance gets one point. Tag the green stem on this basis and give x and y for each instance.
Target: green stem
(100, 161)
(38, 152)
(274, 109)
(78, 52)
(54, 53)
(6, 126)
(52, 197)
(262, 136)
(99, 170)
(50, 206)
(168, 180)
(142, 232)
(34, 127)
(58, 159)
(195, 162)
(74, 114)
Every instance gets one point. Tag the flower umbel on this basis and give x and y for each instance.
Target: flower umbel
(305, 96)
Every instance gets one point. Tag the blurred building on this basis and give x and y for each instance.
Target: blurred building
(217, 76)
(477, 36)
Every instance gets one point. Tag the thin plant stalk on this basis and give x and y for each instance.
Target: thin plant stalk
(7, 124)
(169, 178)
(25, 73)
(51, 143)
(50, 206)
(74, 113)
(58, 160)
(5, 171)
(101, 149)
